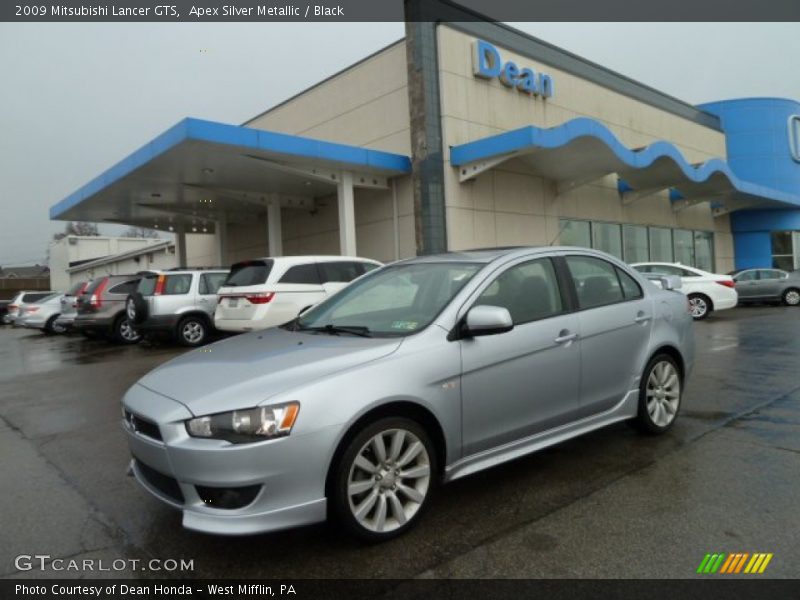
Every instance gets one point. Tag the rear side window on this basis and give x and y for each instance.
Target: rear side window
(307, 274)
(147, 285)
(630, 288)
(595, 280)
(211, 282)
(747, 276)
(124, 288)
(175, 285)
(343, 272)
(249, 273)
(34, 297)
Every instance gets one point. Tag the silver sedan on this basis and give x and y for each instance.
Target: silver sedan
(419, 373)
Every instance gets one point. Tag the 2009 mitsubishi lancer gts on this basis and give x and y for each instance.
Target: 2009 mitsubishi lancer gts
(416, 374)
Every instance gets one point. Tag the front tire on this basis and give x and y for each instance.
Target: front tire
(124, 332)
(699, 306)
(660, 395)
(791, 297)
(192, 331)
(384, 479)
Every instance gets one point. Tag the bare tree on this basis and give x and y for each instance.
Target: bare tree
(77, 228)
(140, 232)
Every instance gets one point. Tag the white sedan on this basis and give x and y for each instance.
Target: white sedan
(706, 291)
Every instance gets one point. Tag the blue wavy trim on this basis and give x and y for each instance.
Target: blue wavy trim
(531, 138)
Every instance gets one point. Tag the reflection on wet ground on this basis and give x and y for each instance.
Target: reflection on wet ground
(604, 505)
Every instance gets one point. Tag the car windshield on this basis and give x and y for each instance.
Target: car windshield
(394, 301)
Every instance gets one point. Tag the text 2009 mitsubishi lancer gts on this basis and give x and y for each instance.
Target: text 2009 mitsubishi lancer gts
(418, 373)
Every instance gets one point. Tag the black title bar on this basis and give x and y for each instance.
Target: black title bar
(199, 11)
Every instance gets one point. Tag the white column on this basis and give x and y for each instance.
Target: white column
(222, 241)
(274, 234)
(347, 215)
(180, 246)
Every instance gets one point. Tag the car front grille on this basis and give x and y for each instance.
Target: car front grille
(143, 426)
(163, 483)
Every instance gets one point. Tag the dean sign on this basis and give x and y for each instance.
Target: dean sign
(487, 64)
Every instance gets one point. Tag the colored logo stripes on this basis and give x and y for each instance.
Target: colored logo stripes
(737, 562)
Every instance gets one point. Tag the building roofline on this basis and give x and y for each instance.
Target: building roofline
(324, 81)
(121, 256)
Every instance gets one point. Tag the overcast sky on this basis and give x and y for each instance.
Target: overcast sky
(76, 98)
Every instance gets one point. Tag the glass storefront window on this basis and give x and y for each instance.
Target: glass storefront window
(704, 250)
(683, 241)
(607, 238)
(634, 244)
(661, 244)
(575, 233)
(781, 243)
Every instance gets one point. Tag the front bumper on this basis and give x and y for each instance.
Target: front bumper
(289, 472)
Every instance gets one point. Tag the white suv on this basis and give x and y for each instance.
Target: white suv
(266, 292)
(706, 291)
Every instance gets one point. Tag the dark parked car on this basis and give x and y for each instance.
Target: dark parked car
(101, 309)
(767, 285)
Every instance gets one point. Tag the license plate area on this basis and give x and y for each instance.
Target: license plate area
(233, 302)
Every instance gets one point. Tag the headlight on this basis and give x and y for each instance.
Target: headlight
(243, 426)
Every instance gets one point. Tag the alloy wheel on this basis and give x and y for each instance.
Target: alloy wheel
(127, 332)
(389, 480)
(193, 332)
(698, 307)
(792, 297)
(663, 393)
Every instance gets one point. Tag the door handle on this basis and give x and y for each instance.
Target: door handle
(642, 318)
(565, 336)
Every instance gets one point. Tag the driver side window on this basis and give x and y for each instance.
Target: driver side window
(529, 291)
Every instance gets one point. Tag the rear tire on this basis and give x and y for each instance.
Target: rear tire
(124, 332)
(385, 479)
(192, 331)
(50, 328)
(699, 306)
(660, 395)
(791, 297)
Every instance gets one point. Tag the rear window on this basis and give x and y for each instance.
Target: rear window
(211, 282)
(73, 291)
(124, 288)
(307, 274)
(249, 273)
(94, 285)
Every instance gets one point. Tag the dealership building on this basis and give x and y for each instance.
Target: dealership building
(470, 134)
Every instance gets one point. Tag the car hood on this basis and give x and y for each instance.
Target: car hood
(247, 370)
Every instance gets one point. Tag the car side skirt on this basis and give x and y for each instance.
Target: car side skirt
(625, 409)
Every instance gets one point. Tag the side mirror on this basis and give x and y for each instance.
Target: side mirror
(487, 320)
(667, 282)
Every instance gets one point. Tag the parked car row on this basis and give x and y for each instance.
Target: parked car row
(190, 304)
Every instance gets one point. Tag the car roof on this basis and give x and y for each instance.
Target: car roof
(488, 255)
(310, 258)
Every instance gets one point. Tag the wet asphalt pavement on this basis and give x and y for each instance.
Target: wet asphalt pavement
(613, 503)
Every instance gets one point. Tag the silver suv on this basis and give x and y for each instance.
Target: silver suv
(180, 303)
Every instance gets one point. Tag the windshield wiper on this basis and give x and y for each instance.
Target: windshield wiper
(332, 329)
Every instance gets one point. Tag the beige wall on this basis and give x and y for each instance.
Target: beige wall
(366, 105)
(159, 260)
(508, 205)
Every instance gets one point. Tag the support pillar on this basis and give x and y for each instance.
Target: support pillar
(347, 215)
(274, 233)
(180, 246)
(222, 241)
